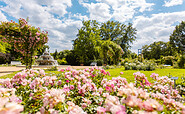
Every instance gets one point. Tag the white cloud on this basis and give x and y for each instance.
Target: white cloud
(62, 34)
(81, 17)
(120, 10)
(169, 3)
(3, 17)
(98, 11)
(141, 4)
(123, 13)
(43, 14)
(158, 27)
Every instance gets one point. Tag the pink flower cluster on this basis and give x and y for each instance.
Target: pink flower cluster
(89, 91)
(141, 79)
(10, 103)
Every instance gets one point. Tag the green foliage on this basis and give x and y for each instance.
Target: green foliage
(111, 51)
(86, 42)
(137, 65)
(104, 41)
(53, 68)
(168, 60)
(99, 62)
(157, 49)
(181, 62)
(121, 34)
(5, 58)
(111, 67)
(71, 58)
(62, 62)
(177, 38)
(41, 50)
(25, 38)
(2, 59)
(3, 46)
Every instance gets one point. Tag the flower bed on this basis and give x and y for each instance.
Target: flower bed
(87, 91)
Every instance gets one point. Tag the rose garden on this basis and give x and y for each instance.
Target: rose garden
(96, 89)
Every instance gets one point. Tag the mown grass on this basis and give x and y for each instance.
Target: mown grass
(13, 74)
(128, 74)
(9, 75)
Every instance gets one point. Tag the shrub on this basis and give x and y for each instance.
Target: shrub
(99, 62)
(168, 60)
(62, 62)
(181, 62)
(53, 68)
(158, 61)
(5, 58)
(2, 59)
(136, 65)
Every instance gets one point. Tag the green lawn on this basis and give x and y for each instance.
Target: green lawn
(13, 74)
(128, 74)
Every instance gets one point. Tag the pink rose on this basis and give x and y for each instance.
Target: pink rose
(121, 73)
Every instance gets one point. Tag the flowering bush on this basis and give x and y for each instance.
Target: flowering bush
(25, 38)
(136, 65)
(87, 91)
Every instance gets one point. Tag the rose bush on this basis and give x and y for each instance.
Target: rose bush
(87, 91)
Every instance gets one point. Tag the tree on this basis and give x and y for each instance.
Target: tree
(86, 42)
(111, 51)
(119, 33)
(177, 38)
(110, 35)
(25, 38)
(3, 47)
(55, 54)
(157, 49)
(71, 58)
(41, 50)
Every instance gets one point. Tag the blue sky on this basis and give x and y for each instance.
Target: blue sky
(154, 20)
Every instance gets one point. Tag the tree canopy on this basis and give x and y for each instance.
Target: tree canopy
(111, 37)
(25, 38)
(177, 38)
(120, 33)
(157, 49)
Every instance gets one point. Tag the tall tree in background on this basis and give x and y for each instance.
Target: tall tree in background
(119, 33)
(86, 41)
(26, 39)
(112, 37)
(55, 54)
(157, 49)
(177, 38)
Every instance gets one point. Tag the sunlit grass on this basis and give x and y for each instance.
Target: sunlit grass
(128, 74)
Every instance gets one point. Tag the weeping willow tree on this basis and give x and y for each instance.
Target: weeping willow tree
(110, 51)
(103, 41)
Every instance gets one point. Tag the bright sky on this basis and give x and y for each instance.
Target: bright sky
(154, 20)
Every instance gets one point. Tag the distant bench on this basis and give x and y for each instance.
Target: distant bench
(93, 64)
(15, 63)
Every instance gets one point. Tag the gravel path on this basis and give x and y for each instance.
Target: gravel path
(10, 69)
